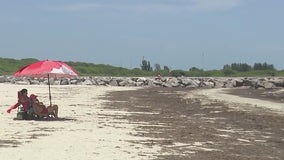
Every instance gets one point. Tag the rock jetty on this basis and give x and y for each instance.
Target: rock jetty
(191, 82)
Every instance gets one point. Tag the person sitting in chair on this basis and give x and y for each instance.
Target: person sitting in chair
(41, 110)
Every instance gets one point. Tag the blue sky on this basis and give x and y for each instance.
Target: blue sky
(177, 33)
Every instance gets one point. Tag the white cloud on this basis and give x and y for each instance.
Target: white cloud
(153, 5)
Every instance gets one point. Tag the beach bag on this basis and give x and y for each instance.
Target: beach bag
(21, 114)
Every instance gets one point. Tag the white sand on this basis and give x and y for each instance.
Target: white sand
(87, 133)
(220, 95)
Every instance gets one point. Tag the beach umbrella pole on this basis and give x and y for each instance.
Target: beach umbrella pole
(49, 89)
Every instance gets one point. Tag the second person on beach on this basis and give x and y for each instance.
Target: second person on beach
(41, 110)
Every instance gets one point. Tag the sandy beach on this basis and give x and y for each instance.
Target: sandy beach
(151, 123)
(82, 132)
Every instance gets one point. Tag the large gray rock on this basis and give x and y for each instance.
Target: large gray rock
(87, 82)
(130, 83)
(113, 82)
(268, 85)
(35, 82)
(157, 83)
(166, 85)
(101, 83)
(189, 82)
(238, 83)
(75, 81)
(3, 79)
(141, 79)
(106, 80)
(64, 82)
(139, 84)
(278, 82)
(209, 84)
(122, 83)
(175, 84)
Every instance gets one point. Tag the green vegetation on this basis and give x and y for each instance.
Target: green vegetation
(9, 66)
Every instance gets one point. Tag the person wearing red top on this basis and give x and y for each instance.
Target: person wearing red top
(23, 100)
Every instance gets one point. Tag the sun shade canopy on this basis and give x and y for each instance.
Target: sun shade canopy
(46, 68)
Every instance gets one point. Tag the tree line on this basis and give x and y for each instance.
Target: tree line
(234, 69)
(9, 66)
(244, 67)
